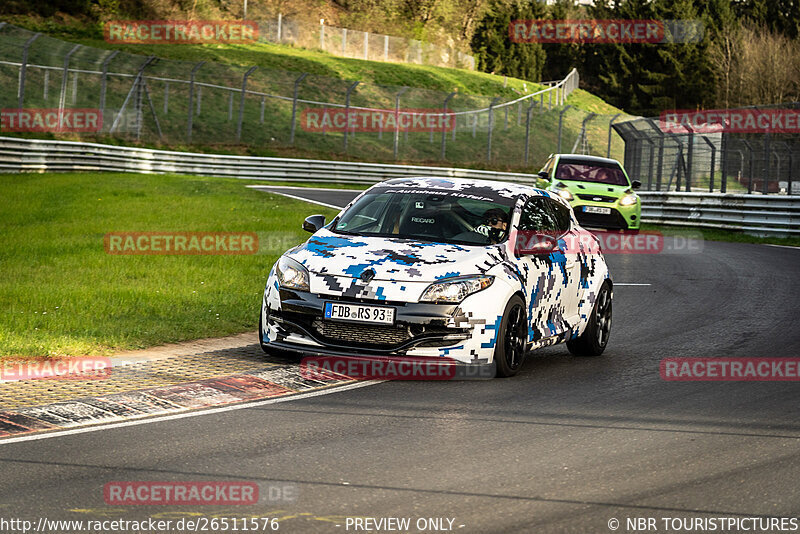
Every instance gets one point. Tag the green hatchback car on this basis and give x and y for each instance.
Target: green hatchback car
(599, 190)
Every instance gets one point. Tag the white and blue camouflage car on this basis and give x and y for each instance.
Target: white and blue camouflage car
(438, 268)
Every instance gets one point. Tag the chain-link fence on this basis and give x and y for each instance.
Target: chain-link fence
(361, 45)
(712, 159)
(153, 101)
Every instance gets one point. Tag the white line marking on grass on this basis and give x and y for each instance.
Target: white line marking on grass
(303, 188)
(306, 199)
(156, 419)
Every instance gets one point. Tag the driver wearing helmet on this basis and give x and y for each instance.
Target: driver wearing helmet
(494, 225)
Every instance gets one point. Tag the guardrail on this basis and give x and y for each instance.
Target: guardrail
(776, 215)
(35, 155)
(758, 214)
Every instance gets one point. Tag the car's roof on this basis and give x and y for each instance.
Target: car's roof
(503, 189)
(584, 157)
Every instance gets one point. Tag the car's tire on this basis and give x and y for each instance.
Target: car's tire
(594, 339)
(512, 337)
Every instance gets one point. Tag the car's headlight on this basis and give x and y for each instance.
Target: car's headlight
(563, 192)
(455, 289)
(628, 200)
(291, 274)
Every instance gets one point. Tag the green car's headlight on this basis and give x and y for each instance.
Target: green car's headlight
(455, 290)
(291, 274)
(563, 192)
(628, 200)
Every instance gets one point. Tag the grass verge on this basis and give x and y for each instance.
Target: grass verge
(62, 294)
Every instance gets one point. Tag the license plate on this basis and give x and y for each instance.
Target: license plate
(338, 311)
(597, 209)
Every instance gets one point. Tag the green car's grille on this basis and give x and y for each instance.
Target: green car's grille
(598, 198)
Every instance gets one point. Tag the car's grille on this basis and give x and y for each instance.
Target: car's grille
(597, 198)
(613, 220)
(361, 334)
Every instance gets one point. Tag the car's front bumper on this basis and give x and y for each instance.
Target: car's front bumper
(620, 218)
(417, 325)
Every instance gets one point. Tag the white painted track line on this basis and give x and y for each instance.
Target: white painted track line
(172, 417)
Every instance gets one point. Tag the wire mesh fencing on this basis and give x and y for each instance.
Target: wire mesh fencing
(713, 159)
(361, 45)
(153, 101)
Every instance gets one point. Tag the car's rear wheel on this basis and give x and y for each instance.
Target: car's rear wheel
(509, 350)
(594, 339)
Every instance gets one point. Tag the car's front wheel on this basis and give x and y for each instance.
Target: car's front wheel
(261, 334)
(509, 350)
(594, 339)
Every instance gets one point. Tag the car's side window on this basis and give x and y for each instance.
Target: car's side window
(549, 165)
(561, 215)
(536, 217)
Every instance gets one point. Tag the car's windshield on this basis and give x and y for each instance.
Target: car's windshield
(584, 171)
(445, 216)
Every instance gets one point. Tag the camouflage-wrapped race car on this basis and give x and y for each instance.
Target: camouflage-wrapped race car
(423, 267)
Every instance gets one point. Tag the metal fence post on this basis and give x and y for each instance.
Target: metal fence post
(750, 157)
(62, 99)
(386, 48)
(689, 160)
(560, 124)
(191, 98)
(765, 189)
(230, 104)
(347, 111)
(104, 81)
(491, 128)
(446, 117)
(582, 135)
(74, 88)
(723, 185)
(241, 103)
(135, 88)
(322, 34)
(366, 45)
(24, 68)
(550, 108)
(46, 84)
(713, 163)
(294, 104)
(528, 128)
(397, 119)
(610, 123)
(280, 26)
(263, 104)
(166, 97)
(344, 41)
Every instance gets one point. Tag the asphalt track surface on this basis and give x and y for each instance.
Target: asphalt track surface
(565, 446)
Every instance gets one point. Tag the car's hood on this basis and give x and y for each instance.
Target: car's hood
(390, 258)
(589, 188)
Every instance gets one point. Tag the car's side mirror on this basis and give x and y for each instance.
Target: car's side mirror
(544, 175)
(529, 244)
(313, 223)
(636, 184)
